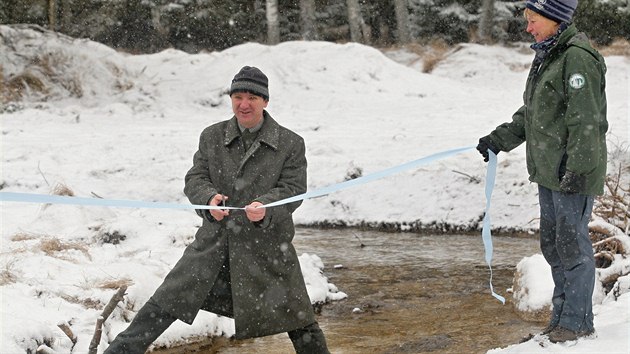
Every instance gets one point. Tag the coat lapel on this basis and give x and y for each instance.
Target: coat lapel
(268, 135)
(231, 135)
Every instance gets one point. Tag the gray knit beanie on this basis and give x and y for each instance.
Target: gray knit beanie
(557, 10)
(251, 79)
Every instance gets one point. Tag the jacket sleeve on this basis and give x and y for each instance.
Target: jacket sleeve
(508, 136)
(291, 182)
(585, 116)
(198, 186)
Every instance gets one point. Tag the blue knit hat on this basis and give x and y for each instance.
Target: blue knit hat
(251, 79)
(557, 10)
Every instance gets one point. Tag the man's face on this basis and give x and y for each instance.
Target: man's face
(540, 27)
(248, 108)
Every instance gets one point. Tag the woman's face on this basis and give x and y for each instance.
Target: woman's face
(539, 26)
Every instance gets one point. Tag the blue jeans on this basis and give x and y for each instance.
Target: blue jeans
(567, 247)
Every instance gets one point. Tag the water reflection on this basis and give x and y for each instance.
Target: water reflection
(402, 248)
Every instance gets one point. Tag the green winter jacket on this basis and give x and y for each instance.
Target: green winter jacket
(563, 118)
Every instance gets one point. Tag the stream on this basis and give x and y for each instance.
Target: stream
(407, 293)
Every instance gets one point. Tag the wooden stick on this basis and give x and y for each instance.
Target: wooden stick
(68, 331)
(109, 308)
(96, 338)
(113, 302)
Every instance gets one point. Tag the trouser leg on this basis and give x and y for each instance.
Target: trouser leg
(548, 248)
(576, 252)
(150, 322)
(570, 255)
(309, 340)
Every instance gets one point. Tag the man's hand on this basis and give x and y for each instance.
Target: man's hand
(254, 212)
(218, 200)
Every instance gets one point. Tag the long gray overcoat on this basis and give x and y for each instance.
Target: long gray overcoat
(267, 293)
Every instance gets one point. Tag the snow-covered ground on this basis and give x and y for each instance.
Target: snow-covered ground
(132, 133)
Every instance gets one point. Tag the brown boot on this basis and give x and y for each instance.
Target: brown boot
(561, 334)
(550, 327)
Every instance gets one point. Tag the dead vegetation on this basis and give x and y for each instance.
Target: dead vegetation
(614, 205)
(54, 247)
(7, 275)
(619, 46)
(63, 190)
(87, 303)
(115, 283)
(614, 209)
(26, 83)
(24, 236)
(430, 54)
(90, 303)
(41, 65)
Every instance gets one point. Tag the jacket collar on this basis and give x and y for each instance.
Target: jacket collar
(269, 133)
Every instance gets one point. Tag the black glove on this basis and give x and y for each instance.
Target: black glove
(572, 182)
(484, 144)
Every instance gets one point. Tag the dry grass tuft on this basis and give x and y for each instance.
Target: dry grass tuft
(53, 246)
(6, 275)
(87, 303)
(90, 284)
(62, 189)
(24, 236)
(22, 84)
(432, 53)
(619, 46)
(115, 283)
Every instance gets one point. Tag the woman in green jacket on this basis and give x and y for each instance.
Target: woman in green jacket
(563, 123)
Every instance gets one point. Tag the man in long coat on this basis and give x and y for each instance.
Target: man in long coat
(242, 263)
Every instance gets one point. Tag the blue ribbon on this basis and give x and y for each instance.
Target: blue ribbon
(490, 179)
(485, 232)
(371, 177)
(58, 199)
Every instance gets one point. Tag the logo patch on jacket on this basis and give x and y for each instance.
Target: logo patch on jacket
(577, 81)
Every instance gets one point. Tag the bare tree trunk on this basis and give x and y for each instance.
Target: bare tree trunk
(307, 14)
(52, 14)
(355, 20)
(65, 15)
(273, 25)
(402, 21)
(158, 26)
(485, 23)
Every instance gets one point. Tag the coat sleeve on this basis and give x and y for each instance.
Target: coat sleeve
(508, 136)
(586, 110)
(198, 186)
(291, 182)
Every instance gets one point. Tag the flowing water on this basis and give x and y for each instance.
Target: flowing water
(407, 293)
